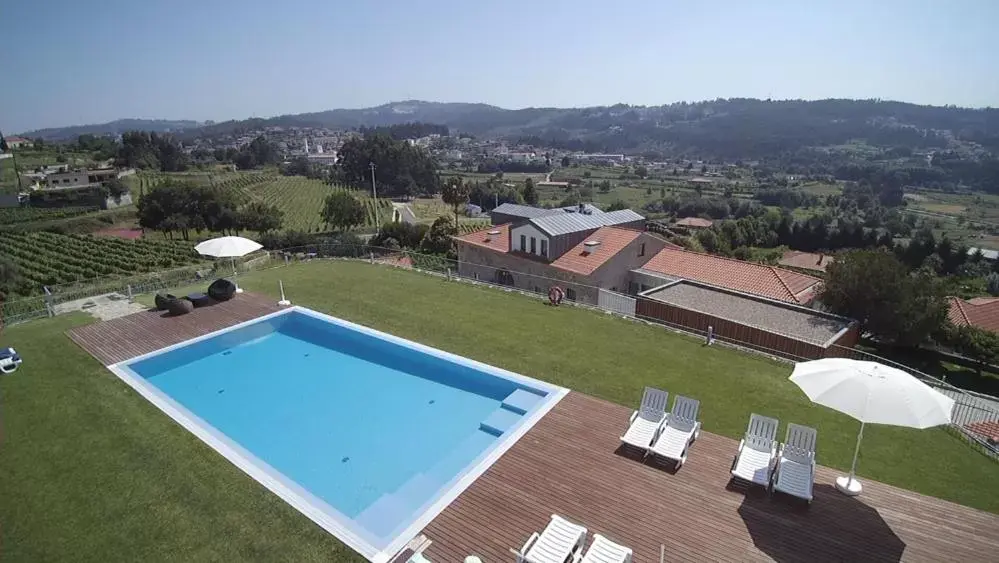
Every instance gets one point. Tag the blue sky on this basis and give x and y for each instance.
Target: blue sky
(88, 61)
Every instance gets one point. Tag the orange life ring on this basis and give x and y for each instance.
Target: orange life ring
(555, 295)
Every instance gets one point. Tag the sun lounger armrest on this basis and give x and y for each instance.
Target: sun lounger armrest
(522, 554)
(634, 415)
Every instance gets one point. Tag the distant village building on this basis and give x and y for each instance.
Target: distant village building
(14, 142)
(806, 260)
(695, 223)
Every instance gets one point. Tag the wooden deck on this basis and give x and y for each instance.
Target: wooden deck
(570, 463)
(126, 337)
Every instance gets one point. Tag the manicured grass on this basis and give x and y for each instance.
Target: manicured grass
(90, 471)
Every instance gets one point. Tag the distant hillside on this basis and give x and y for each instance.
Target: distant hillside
(730, 129)
(111, 128)
(735, 128)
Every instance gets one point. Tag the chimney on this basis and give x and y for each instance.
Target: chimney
(490, 235)
(821, 256)
(589, 246)
(582, 208)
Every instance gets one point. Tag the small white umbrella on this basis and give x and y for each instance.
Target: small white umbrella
(228, 247)
(873, 394)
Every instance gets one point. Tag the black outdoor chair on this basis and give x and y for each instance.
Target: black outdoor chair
(221, 290)
(163, 301)
(199, 300)
(180, 307)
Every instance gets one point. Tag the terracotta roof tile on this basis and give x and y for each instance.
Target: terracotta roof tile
(583, 259)
(496, 237)
(806, 260)
(748, 277)
(980, 312)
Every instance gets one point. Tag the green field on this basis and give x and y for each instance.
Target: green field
(301, 199)
(92, 471)
(15, 215)
(44, 258)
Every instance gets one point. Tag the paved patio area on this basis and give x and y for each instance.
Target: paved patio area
(570, 463)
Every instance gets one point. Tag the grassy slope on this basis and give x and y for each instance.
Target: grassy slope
(91, 471)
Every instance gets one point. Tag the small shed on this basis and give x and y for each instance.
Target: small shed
(776, 327)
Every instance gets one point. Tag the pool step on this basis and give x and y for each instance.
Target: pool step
(521, 401)
(384, 515)
(390, 510)
(499, 421)
(463, 454)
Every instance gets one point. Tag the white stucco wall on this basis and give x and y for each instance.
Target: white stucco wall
(528, 231)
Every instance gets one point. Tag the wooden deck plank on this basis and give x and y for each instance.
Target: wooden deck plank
(571, 464)
(130, 336)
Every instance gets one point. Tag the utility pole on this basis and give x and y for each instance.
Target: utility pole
(374, 194)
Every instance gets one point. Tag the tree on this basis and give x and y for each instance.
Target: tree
(530, 192)
(617, 205)
(401, 169)
(976, 343)
(566, 161)
(342, 211)
(438, 239)
(260, 217)
(878, 291)
(641, 171)
(704, 169)
(587, 174)
(455, 193)
(114, 188)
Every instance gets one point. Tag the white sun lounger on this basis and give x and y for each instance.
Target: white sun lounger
(602, 550)
(795, 472)
(757, 453)
(679, 431)
(9, 360)
(559, 541)
(645, 422)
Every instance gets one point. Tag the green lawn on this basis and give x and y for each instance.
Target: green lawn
(90, 471)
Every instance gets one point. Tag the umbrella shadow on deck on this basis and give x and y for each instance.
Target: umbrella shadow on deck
(834, 527)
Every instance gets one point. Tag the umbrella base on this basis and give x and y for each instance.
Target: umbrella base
(239, 290)
(849, 487)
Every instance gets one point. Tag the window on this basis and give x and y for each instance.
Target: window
(570, 294)
(641, 250)
(534, 245)
(544, 247)
(523, 243)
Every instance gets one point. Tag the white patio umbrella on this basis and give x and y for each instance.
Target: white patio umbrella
(873, 394)
(228, 247)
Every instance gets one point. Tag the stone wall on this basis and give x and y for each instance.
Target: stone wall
(520, 271)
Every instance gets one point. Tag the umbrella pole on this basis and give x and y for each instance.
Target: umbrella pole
(850, 485)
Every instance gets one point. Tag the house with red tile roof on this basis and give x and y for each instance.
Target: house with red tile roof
(673, 263)
(582, 257)
(982, 312)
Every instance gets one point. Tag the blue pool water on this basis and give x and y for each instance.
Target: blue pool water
(376, 428)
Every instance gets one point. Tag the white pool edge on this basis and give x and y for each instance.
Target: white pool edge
(300, 498)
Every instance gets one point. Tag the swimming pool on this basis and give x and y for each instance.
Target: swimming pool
(367, 434)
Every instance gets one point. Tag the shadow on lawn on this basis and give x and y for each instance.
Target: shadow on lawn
(834, 527)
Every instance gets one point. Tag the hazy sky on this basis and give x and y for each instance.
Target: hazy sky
(88, 61)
